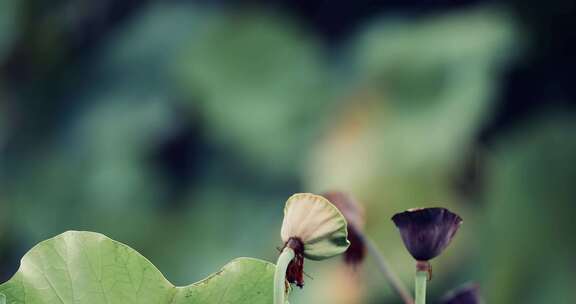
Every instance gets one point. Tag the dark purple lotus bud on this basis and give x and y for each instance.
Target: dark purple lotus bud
(426, 232)
(354, 214)
(468, 294)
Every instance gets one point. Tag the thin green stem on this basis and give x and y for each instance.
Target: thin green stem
(280, 275)
(387, 271)
(420, 287)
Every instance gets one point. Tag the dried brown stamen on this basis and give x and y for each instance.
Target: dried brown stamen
(295, 271)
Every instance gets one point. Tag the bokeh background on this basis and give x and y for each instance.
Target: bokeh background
(181, 127)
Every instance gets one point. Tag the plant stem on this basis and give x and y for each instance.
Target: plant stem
(280, 275)
(384, 267)
(420, 287)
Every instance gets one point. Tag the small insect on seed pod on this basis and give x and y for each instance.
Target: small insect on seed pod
(314, 229)
(467, 294)
(426, 232)
(354, 214)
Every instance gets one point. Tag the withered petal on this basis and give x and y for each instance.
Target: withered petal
(354, 214)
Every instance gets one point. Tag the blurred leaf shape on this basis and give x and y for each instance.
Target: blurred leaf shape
(259, 83)
(114, 139)
(87, 267)
(141, 53)
(437, 76)
(103, 155)
(8, 25)
(530, 214)
(424, 87)
(419, 62)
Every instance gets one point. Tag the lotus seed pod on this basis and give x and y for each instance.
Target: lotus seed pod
(426, 232)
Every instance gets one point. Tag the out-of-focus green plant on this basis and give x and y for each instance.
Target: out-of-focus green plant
(260, 85)
(530, 214)
(423, 88)
(8, 25)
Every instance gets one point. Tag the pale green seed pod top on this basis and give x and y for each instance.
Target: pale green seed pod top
(317, 223)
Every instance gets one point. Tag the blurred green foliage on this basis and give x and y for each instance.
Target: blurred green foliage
(529, 214)
(261, 87)
(182, 128)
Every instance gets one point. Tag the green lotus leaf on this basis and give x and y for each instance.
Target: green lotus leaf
(87, 267)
